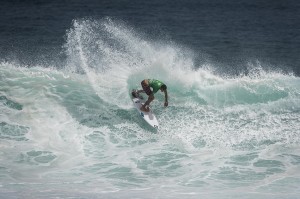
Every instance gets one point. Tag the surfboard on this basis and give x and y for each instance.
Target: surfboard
(149, 117)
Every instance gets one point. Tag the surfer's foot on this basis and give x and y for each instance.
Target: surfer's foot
(145, 109)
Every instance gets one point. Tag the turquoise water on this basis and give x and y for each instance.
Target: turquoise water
(73, 132)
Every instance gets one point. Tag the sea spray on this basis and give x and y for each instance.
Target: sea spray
(76, 127)
(119, 58)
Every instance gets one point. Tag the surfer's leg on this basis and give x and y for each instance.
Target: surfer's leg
(150, 99)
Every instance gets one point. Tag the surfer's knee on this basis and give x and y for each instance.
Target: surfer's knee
(151, 97)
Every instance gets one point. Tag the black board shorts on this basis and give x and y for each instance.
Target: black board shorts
(146, 88)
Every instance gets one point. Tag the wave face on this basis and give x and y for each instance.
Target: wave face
(73, 132)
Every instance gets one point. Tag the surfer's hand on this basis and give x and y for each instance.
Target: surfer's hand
(145, 108)
(166, 104)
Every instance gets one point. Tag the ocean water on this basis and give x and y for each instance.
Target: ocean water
(68, 128)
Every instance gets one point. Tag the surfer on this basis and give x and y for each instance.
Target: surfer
(155, 85)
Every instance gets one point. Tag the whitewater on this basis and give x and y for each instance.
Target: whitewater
(71, 131)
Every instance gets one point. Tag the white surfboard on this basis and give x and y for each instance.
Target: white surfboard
(149, 117)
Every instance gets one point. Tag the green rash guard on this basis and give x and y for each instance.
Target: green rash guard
(155, 84)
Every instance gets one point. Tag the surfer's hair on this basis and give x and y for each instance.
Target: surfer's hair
(164, 87)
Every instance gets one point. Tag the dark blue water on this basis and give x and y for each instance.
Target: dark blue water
(228, 35)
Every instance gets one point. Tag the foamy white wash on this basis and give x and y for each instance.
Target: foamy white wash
(74, 132)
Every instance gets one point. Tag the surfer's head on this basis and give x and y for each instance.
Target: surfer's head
(163, 87)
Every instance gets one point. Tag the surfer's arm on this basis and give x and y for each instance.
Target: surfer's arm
(140, 91)
(166, 98)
